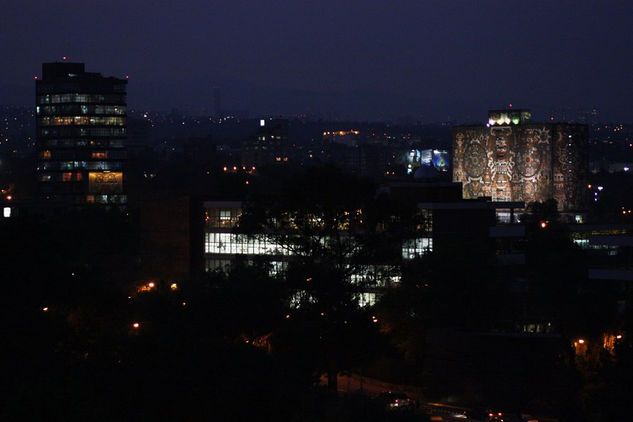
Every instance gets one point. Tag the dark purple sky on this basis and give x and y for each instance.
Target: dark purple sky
(362, 59)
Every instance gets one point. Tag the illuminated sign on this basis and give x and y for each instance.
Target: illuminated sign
(440, 160)
(105, 182)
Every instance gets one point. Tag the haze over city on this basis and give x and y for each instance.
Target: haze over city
(376, 60)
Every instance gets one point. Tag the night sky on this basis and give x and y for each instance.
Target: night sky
(430, 60)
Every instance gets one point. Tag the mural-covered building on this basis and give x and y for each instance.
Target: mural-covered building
(512, 159)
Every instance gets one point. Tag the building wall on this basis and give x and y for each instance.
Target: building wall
(81, 130)
(166, 238)
(525, 162)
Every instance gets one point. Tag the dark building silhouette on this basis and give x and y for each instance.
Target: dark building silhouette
(81, 131)
(269, 145)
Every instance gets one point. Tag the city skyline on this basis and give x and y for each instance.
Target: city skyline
(431, 61)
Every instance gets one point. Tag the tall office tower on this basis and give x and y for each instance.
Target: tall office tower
(81, 131)
(512, 159)
(269, 145)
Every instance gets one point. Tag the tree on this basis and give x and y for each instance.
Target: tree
(324, 222)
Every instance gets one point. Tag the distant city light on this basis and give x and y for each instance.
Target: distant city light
(600, 188)
(581, 341)
(173, 286)
(626, 169)
(619, 336)
(45, 309)
(543, 224)
(262, 122)
(151, 285)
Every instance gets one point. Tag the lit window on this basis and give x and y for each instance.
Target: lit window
(7, 212)
(415, 248)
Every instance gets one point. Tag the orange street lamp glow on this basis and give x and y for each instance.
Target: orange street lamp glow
(581, 341)
(173, 286)
(543, 224)
(151, 285)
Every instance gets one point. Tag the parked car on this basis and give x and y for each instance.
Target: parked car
(396, 401)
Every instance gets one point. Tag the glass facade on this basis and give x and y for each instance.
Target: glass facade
(81, 130)
(236, 244)
(221, 218)
(81, 98)
(415, 248)
(81, 120)
(222, 247)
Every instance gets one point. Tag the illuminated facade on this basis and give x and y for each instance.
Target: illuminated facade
(81, 131)
(222, 247)
(511, 159)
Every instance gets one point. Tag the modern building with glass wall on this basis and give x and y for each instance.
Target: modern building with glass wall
(223, 246)
(81, 131)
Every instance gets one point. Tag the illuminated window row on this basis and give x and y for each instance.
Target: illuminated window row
(61, 177)
(74, 109)
(224, 265)
(106, 199)
(365, 299)
(71, 143)
(82, 120)
(95, 155)
(415, 248)
(214, 264)
(81, 98)
(69, 132)
(362, 298)
(376, 275)
(235, 244)
(222, 217)
(89, 165)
